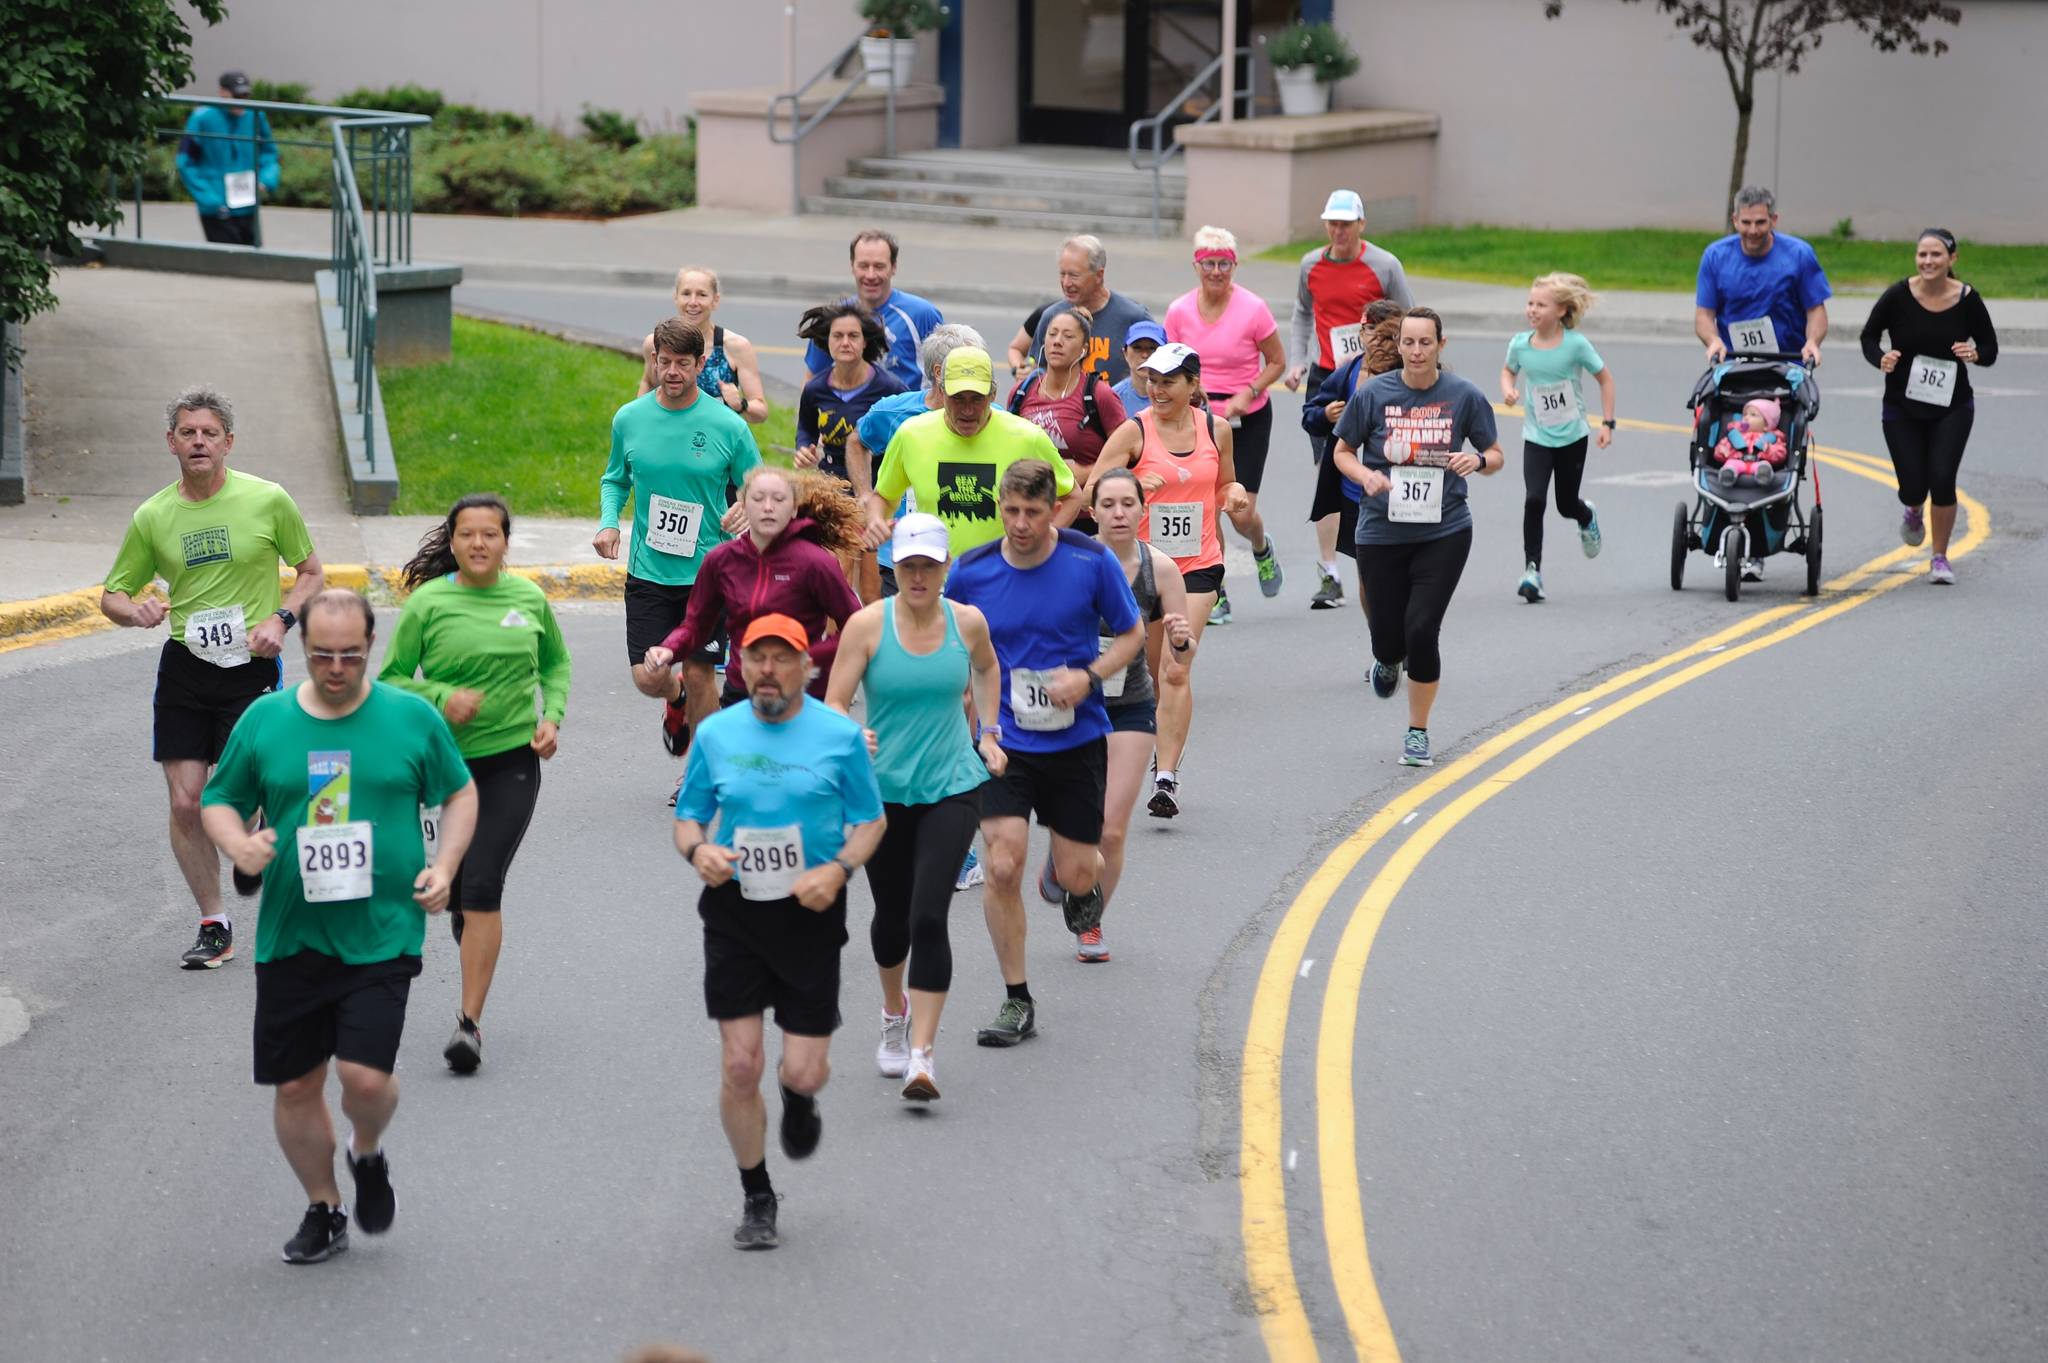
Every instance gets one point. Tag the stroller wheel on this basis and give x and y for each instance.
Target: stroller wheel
(1813, 553)
(1735, 544)
(1681, 536)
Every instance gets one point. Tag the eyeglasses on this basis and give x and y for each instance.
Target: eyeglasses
(1216, 266)
(352, 658)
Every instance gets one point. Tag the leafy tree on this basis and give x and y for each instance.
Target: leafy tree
(76, 83)
(1777, 35)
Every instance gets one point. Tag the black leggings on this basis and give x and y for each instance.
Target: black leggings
(1926, 454)
(1540, 464)
(1407, 590)
(911, 876)
(507, 787)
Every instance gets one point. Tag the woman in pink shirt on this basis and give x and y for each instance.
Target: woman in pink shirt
(1242, 356)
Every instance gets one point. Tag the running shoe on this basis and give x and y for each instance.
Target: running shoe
(1268, 564)
(1913, 526)
(675, 794)
(1015, 1020)
(1415, 749)
(1940, 573)
(802, 1125)
(1752, 570)
(1589, 533)
(1165, 802)
(1219, 614)
(1082, 911)
(323, 1233)
(215, 944)
(465, 1049)
(1531, 586)
(675, 726)
(757, 1223)
(376, 1204)
(1089, 946)
(971, 873)
(1329, 593)
(1385, 678)
(892, 1056)
(1049, 884)
(921, 1083)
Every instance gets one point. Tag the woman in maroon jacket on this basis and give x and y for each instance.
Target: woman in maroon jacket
(786, 564)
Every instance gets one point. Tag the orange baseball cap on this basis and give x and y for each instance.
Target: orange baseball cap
(776, 627)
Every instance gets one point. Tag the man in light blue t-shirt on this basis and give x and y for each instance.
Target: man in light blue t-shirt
(789, 783)
(1761, 291)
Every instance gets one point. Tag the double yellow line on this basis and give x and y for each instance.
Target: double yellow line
(1269, 1258)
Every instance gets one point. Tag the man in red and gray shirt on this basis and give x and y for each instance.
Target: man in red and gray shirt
(1337, 283)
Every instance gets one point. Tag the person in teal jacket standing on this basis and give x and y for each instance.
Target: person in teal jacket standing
(224, 158)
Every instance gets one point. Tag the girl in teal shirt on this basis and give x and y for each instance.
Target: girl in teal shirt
(1547, 360)
(479, 643)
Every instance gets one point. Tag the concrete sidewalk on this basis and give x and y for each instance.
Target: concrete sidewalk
(805, 257)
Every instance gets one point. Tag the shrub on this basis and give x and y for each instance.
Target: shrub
(468, 118)
(396, 99)
(902, 18)
(1317, 45)
(610, 127)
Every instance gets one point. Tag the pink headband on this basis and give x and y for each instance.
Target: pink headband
(1215, 253)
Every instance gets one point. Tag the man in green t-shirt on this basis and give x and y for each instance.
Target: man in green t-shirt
(216, 538)
(952, 460)
(342, 766)
(681, 460)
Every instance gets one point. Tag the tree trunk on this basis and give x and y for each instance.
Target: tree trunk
(1743, 108)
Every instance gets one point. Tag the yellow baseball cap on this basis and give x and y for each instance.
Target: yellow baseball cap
(969, 370)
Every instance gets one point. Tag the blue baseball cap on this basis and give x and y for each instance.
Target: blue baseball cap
(1147, 330)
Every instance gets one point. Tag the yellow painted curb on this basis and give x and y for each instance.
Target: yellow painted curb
(66, 615)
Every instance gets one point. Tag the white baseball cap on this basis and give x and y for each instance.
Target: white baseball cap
(1344, 206)
(920, 535)
(1171, 358)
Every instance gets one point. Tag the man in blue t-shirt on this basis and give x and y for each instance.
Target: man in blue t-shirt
(1761, 291)
(906, 318)
(789, 782)
(1049, 596)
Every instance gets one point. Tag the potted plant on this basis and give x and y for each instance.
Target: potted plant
(1307, 60)
(891, 41)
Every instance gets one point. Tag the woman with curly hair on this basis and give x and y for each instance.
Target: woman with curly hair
(798, 524)
(834, 400)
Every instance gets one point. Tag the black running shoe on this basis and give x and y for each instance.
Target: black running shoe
(801, 1125)
(1165, 801)
(757, 1223)
(465, 1050)
(376, 1204)
(322, 1234)
(1082, 911)
(1015, 1020)
(215, 944)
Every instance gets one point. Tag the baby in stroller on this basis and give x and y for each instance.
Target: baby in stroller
(1751, 454)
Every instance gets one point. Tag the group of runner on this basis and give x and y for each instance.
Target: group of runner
(1011, 595)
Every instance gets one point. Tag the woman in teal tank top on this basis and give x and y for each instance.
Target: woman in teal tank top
(915, 655)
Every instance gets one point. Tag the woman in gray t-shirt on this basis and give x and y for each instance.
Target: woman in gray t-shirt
(1404, 440)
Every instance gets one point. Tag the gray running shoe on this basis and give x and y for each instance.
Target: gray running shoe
(1589, 534)
(1219, 614)
(757, 1223)
(1016, 1020)
(1415, 749)
(1268, 565)
(1386, 679)
(1913, 526)
(1049, 884)
(1082, 911)
(1329, 594)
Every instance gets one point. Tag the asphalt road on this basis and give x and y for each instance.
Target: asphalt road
(1715, 1035)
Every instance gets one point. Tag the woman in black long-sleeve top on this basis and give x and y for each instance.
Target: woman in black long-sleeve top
(1937, 326)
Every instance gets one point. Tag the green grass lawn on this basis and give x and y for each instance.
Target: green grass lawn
(1649, 258)
(520, 414)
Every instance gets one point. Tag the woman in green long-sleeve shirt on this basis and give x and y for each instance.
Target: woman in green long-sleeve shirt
(479, 642)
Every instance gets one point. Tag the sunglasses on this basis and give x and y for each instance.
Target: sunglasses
(351, 658)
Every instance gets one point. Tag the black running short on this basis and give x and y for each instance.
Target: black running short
(1139, 717)
(762, 954)
(197, 703)
(653, 610)
(1064, 789)
(1209, 579)
(311, 1008)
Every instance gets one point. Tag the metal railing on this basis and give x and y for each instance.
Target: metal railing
(367, 148)
(1160, 152)
(849, 65)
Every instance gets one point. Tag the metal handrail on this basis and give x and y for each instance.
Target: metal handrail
(1157, 123)
(355, 285)
(799, 131)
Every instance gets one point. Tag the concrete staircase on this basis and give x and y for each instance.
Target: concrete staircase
(1068, 189)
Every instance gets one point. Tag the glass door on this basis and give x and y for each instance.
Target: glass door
(1076, 73)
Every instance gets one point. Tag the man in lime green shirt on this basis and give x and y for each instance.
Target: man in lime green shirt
(342, 766)
(680, 459)
(216, 538)
(952, 460)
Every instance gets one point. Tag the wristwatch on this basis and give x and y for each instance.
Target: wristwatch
(286, 616)
(1608, 422)
(844, 866)
(1095, 681)
(994, 731)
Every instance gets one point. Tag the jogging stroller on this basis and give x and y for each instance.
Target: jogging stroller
(1734, 523)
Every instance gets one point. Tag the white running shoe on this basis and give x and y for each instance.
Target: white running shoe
(892, 1057)
(921, 1085)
